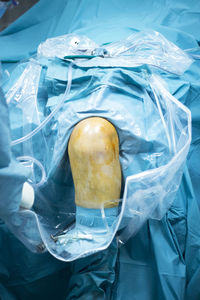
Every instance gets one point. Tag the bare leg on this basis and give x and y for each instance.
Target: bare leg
(94, 158)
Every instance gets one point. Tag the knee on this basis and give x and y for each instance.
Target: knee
(94, 158)
(94, 138)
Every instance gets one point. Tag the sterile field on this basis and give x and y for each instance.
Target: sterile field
(99, 150)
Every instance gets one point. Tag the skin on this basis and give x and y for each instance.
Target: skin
(94, 158)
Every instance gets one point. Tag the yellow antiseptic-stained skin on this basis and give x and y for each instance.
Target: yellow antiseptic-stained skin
(94, 158)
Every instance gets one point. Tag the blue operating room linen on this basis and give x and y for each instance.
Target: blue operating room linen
(5, 152)
(19, 268)
(162, 261)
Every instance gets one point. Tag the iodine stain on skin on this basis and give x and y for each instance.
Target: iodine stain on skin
(94, 157)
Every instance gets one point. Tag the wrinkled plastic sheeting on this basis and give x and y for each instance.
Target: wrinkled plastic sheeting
(146, 47)
(152, 48)
(153, 191)
(65, 85)
(62, 46)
